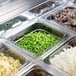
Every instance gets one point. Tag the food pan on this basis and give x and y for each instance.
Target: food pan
(43, 8)
(11, 59)
(63, 58)
(66, 21)
(42, 69)
(36, 71)
(38, 27)
(12, 23)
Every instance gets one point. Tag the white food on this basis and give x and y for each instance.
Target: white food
(8, 65)
(66, 60)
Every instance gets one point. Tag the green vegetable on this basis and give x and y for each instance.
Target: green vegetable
(7, 25)
(38, 42)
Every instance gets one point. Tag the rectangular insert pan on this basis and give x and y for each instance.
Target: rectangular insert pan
(70, 44)
(11, 59)
(38, 27)
(64, 16)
